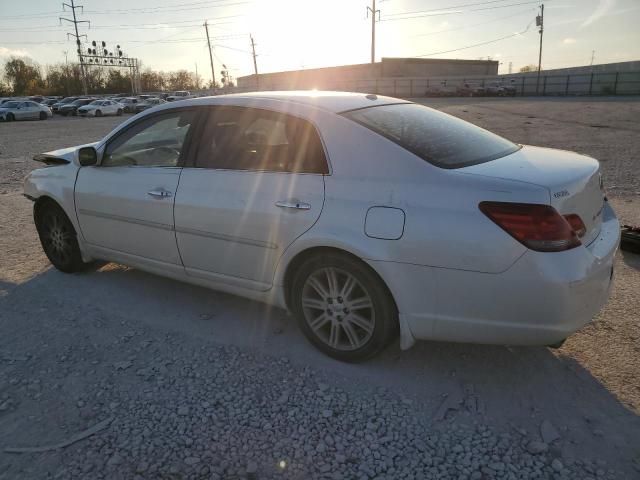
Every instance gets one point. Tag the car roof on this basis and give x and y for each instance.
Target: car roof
(335, 102)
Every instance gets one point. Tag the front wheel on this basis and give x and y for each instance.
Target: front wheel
(98, 113)
(119, 112)
(10, 117)
(58, 238)
(343, 307)
(43, 116)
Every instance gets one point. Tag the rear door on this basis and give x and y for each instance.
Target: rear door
(255, 186)
(125, 204)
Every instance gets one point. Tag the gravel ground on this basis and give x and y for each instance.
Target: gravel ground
(173, 381)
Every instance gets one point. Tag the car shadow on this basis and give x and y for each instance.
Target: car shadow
(507, 387)
(631, 259)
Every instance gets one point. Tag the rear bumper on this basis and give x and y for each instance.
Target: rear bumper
(542, 299)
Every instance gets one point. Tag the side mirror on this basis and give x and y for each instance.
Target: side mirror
(87, 156)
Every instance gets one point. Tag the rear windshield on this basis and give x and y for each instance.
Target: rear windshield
(436, 137)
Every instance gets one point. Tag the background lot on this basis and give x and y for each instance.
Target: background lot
(197, 384)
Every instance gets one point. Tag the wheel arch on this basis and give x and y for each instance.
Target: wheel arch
(42, 202)
(300, 257)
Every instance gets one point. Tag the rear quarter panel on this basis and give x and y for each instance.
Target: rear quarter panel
(443, 228)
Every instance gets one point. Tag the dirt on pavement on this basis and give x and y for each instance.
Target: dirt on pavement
(198, 384)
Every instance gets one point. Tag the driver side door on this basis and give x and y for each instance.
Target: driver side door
(125, 204)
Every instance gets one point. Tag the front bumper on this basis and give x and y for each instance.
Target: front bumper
(542, 299)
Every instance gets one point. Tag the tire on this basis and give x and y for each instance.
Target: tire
(10, 117)
(43, 116)
(98, 113)
(58, 238)
(352, 321)
(119, 112)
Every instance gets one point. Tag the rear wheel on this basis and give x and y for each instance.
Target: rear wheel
(43, 116)
(58, 237)
(343, 308)
(98, 113)
(10, 117)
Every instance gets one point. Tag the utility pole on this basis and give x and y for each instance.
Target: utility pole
(373, 11)
(213, 75)
(197, 80)
(540, 23)
(77, 36)
(510, 67)
(255, 62)
(593, 55)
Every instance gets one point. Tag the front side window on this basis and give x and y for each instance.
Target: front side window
(438, 138)
(238, 138)
(157, 141)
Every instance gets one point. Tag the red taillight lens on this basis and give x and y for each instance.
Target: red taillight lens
(538, 227)
(576, 224)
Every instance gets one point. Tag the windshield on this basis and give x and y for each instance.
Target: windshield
(11, 104)
(96, 102)
(440, 139)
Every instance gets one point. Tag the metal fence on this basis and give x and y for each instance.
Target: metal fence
(615, 83)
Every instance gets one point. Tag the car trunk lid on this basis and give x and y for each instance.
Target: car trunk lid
(573, 181)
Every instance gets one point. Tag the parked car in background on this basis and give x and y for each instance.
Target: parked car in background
(49, 102)
(430, 226)
(98, 108)
(55, 108)
(179, 95)
(471, 90)
(23, 110)
(37, 98)
(149, 103)
(72, 108)
(129, 104)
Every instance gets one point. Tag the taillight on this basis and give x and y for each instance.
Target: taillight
(576, 224)
(538, 227)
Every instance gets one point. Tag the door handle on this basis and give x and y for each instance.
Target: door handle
(295, 205)
(160, 193)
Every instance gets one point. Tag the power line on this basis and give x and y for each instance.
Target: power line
(463, 27)
(447, 8)
(476, 44)
(134, 11)
(455, 12)
(129, 26)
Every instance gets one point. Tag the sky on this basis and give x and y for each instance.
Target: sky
(295, 34)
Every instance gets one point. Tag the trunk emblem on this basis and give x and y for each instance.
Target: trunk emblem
(561, 193)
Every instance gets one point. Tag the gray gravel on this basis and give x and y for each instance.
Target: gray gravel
(201, 411)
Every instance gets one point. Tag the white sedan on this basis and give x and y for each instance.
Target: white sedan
(23, 110)
(365, 216)
(98, 108)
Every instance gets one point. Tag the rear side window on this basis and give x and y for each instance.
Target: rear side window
(239, 138)
(440, 139)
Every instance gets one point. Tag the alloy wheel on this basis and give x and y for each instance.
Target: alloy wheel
(338, 309)
(57, 238)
